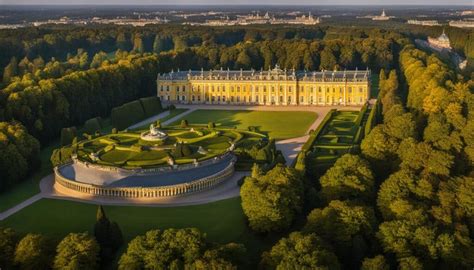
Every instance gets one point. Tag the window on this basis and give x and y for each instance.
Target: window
(289, 99)
(360, 89)
(199, 98)
(223, 98)
(168, 88)
(320, 100)
(319, 89)
(301, 99)
(281, 99)
(192, 98)
(289, 89)
(350, 89)
(161, 88)
(168, 98)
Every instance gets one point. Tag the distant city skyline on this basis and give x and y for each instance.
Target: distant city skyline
(236, 2)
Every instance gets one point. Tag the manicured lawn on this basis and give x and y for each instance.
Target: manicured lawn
(222, 221)
(278, 125)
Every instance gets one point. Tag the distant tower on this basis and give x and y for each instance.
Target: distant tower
(383, 13)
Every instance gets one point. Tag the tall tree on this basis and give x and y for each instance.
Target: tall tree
(34, 252)
(77, 251)
(108, 235)
(271, 201)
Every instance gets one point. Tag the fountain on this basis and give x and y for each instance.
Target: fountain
(154, 134)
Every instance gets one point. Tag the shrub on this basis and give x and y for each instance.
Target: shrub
(211, 125)
(92, 125)
(171, 107)
(61, 156)
(127, 114)
(151, 105)
(67, 135)
(184, 123)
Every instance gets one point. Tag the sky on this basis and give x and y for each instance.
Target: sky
(240, 2)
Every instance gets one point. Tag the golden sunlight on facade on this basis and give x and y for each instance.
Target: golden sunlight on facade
(271, 87)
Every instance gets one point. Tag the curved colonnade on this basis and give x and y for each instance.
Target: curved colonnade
(145, 192)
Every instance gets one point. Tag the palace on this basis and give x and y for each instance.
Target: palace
(270, 87)
(440, 43)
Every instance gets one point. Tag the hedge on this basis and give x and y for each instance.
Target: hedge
(92, 125)
(360, 117)
(372, 119)
(127, 114)
(67, 135)
(151, 106)
(312, 137)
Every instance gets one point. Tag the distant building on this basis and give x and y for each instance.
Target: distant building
(382, 17)
(266, 19)
(462, 24)
(467, 13)
(424, 22)
(440, 43)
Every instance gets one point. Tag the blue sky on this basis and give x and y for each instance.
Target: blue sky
(243, 2)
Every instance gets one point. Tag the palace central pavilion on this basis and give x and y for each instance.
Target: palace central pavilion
(269, 87)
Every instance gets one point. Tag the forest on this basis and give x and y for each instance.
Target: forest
(404, 201)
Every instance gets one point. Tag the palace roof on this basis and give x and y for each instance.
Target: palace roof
(272, 74)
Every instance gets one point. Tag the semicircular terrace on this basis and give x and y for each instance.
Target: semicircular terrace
(177, 180)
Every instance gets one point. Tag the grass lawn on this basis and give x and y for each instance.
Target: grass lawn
(278, 125)
(222, 221)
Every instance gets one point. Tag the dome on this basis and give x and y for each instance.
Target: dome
(443, 37)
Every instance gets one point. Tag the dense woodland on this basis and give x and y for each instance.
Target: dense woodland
(406, 201)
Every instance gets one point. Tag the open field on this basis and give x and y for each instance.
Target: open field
(277, 124)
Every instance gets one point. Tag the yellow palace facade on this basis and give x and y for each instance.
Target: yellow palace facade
(271, 87)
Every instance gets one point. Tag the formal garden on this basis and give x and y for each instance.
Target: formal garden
(339, 133)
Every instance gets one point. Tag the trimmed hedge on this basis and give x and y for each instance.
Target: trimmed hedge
(127, 114)
(151, 106)
(67, 135)
(361, 115)
(92, 125)
(312, 137)
(372, 119)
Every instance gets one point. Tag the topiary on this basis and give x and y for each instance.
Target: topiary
(184, 123)
(211, 125)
